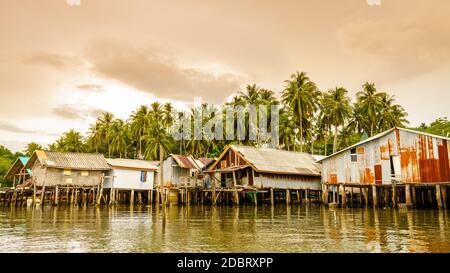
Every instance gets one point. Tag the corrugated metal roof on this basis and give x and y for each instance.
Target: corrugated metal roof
(381, 135)
(131, 163)
(279, 161)
(73, 161)
(186, 161)
(206, 161)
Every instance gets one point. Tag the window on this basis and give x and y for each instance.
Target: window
(84, 173)
(67, 172)
(143, 176)
(353, 155)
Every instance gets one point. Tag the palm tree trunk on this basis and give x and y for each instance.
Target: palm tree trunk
(335, 141)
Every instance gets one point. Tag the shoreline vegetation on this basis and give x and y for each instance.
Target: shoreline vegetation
(311, 120)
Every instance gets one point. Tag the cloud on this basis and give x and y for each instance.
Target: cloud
(8, 127)
(52, 60)
(70, 112)
(404, 46)
(149, 70)
(90, 87)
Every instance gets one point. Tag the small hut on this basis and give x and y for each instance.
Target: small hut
(18, 174)
(180, 171)
(52, 169)
(246, 166)
(130, 174)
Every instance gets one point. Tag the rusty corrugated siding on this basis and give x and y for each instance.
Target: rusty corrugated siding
(412, 156)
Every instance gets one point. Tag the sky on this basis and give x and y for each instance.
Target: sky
(63, 62)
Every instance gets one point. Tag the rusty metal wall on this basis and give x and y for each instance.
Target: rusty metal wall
(400, 155)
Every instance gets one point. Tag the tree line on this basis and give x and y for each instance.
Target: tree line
(310, 120)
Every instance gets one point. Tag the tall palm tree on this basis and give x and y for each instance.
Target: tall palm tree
(392, 115)
(139, 123)
(106, 120)
(251, 94)
(370, 103)
(336, 106)
(95, 136)
(31, 147)
(118, 134)
(302, 96)
(71, 141)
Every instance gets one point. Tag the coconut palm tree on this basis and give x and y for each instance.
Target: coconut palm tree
(370, 106)
(95, 139)
(336, 107)
(392, 115)
(118, 134)
(71, 141)
(106, 120)
(31, 147)
(139, 123)
(302, 96)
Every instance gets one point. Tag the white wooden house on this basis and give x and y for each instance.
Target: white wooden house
(130, 174)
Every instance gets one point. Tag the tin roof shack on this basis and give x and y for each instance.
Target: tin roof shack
(395, 157)
(51, 169)
(18, 173)
(180, 171)
(245, 166)
(130, 174)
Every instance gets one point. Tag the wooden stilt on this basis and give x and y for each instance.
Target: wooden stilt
(150, 197)
(299, 198)
(140, 198)
(56, 195)
(325, 197)
(132, 197)
(365, 196)
(408, 200)
(343, 195)
(386, 196)
(34, 193)
(438, 196)
(444, 196)
(394, 196)
(72, 197)
(414, 196)
(272, 200)
(374, 196)
(351, 196)
(430, 197)
(76, 196)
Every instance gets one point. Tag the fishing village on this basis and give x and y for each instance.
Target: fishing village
(397, 168)
(225, 127)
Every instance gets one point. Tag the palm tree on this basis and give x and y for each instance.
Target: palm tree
(251, 96)
(71, 141)
(139, 123)
(118, 135)
(95, 139)
(370, 103)
(106, 120)
(392, 115)
(158, 143)
(31, 147)
(302, 96)
(336, 106)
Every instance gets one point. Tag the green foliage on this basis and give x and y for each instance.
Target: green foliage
(441, 127)
(31, 147)
(7, 158)
(310, 120)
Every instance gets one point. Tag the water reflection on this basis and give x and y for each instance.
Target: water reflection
(308, 228)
